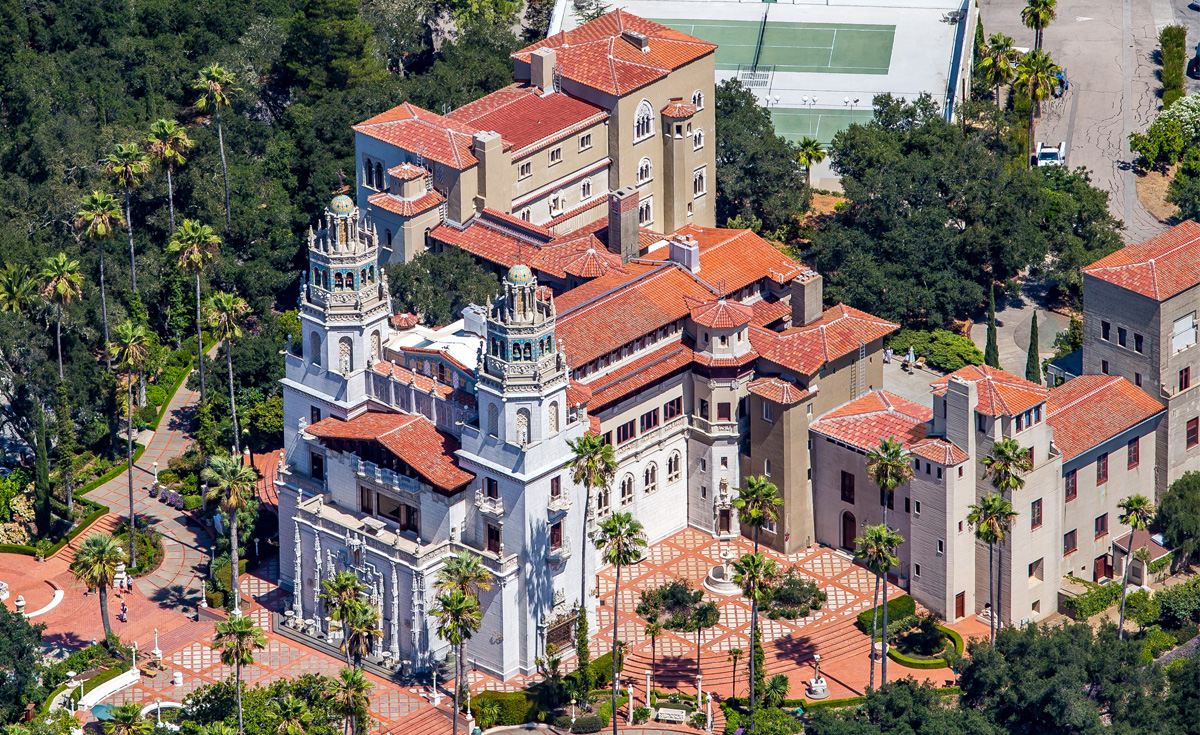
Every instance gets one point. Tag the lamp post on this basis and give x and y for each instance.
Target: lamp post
(572, 728)
(158, 710)
(156, 472)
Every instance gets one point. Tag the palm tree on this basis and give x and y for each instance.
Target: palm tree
(1137, 512)
(224, 313)
(704, 616)
(17, 289)
(459, 617)
(1005, 466)
(1036, 15)
(98, 215)
(984, 518)
(127, 720)
(126, 167)
(464, 571)
(195, 246)
(592, 466)
(876, 548)
(1036, 73)
(776, 690)
(757, 503)
(999, 62)
(130, 349)
(293, 714)
(95, 564)
(215, 86)
(808, 154)
(653, 630)
(735, 655)
(889, 467)
(168, 142)
(63, 284)
(217, 728)
(233, 484)
(351, 695)
(754, 574)
(342, 590)
(620, 541)
(237, 639)
(361, 625)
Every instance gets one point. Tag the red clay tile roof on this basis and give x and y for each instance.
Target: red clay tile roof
(576, 211)
(419, 131)
(407, 172)
(578, 394)
(1161, 267)
(405, 320)
(406, 349)
(722, 314)
(878, 415)
(423, 383)
(1089, 410)
(406, 207)
(840, 331)
(678, 109)
(937, 449)
(592, 263)
(1000, 394)
(671, 358)
(768, 312)
(735, 257)
(411, 438)
(778, 391)
(596, 55)
(523, 116)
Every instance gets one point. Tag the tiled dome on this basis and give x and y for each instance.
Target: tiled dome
(520, 274)
(341, 204)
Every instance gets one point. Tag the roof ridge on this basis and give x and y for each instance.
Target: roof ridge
(1108, 380)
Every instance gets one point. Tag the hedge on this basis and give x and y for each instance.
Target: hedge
(98, 679)
(928, 663)
(1097, 599)
(583, 723)
(601, 670)
(899, 607)
(174, 388)
(605, 711)
(516, 708)
(1172, 41)
(854, 701)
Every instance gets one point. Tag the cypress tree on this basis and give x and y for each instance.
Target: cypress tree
(991, 353)
(1033, 366)
(67, 446)
(583, 654)
(760, 665)
(41, 476)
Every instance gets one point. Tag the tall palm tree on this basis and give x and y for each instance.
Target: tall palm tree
(215, 85)
(341, 591)
(98, 216)
(620, 541)
(889, 467)
(735, 655)
(1036, 73)
(195, 247)
(233, 484)
(127, 720)
(999, 62)
(351, 694)
(95, 564)
(130, 348)
(984, 519)
(1036, 15)
(126, 167)
(361, 625)
(876, 548)
(464, 571)
(224, 314)
(63, 283)
(593, 466)
(292, 712)
(754, 573)
(459, 617)
(757, 503)
(1005, 466)
(1137, 512)
(808, 154)
(18, 290)
(653, 630)
(168, 142)
(238, 638)
(704, 616)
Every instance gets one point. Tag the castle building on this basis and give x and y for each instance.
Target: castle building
(620, 101)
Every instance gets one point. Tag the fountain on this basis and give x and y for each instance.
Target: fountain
(720, 578)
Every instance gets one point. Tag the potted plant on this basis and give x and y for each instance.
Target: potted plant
(43, 548)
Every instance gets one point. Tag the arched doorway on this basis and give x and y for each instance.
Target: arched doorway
(849, 530)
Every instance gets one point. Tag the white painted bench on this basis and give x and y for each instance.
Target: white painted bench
(671, 715)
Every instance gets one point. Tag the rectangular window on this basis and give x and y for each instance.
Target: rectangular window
(555, 156)
(1072, 483)
(916, 570)
(671, 409)
(525, 170)
(1193, 432)
(608, 437)
(585, 141)
(491, 487)
(766, 411)
(1037, 570)
(1137, 379)
(980, 422)
(1020, 422)
(556, 487)
(724, 411)
(1069, 543)
(1104, 367)
(1102, 525)
(1183, 334)
(960, 471)
(941, 547)
(927, 468)
(493, 539)
(917, 507)
(703, 409)
(556, 536)
(649, 420)
(1137, 342)
(847, 487)
(1185, 378)
(1037, 414)
(1105, 330)
(1035, 514)
(317, 463)
(314, 415)
(1135, 453)
(626, 431)
(906, 505)
(1121, 336)
(366, 500)
(1102, 469)
(939, 473)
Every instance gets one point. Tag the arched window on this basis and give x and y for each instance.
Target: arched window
(645, 169)
(314, 348)
(698, 99)
(375, 346)
(523, 426)
(699, 184)
(528, 351)
(368, 173)
(525, 214)
(645, 212)
(643, 121)
(698, 140)
(627, 490)
(673, 469)
(651, 479)
(585, 189)
(346, 355)
(428, 241)
(553, 422)
(493, 421)
(371, 273)
(602, 500)
(337, 281)
(378, 176)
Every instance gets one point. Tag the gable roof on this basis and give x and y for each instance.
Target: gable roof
(1000, 394)
(722, 314)
(734, 258)
(523, 116)
(596, 55)
(1089, 410)
(778, 391)
(840, 330)
(1161, 267)
(878, 415)
(422, 132)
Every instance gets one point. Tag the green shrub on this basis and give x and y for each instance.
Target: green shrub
(1156, 642)
(601, 670)
(215, 598)
(605, 710)
(1161, 565)
(155, 395)
(166, 477)
(898, 608)
(192, 502)
(1097, 599)
(1179, 604)
(148, 415)
(516, 708)
(587, 723)
(221, 572)
(916, 663)
(640, 715)
(941, 349)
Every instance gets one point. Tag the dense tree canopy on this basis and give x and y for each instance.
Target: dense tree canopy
(21, 652)
(438, 285)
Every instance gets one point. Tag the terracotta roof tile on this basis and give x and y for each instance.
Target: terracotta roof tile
(1000, 394)
(523, 116)
(578, 394)
(576, 211)
(778, 391)
(768, 312)
(406, 207)
(405, 320)
(422, 132)
(736, 258)
(655, 365)
(596, 55)
(937, 449)
(411, 438)
(423, 383)
(1161, 267)
(407, 172)
(677, 109)
(878, 415)
(840, 331)
(722, 314)
(1089, 410)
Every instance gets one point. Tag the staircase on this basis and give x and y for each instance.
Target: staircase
(106, 524)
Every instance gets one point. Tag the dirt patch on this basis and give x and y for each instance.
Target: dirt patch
(1152, 191)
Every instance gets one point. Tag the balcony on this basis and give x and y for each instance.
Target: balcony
(559, 555)
(651, 438)
(386, 477)
(558, 506)
(488, 505)
(715, 428)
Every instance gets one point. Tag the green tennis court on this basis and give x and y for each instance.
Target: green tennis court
(795, 47)
(795, 124)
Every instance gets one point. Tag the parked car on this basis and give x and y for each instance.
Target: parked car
(1051, 155)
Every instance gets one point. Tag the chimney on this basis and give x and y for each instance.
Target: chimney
(541, 69)
(494, 171)
(807, 305)
(686, 252)
(475, 320)
(623, 236)
(637, 40)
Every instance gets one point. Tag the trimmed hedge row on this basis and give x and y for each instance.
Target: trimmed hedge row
(106, 675)
(174, 388)
(855, 701)
(516, 708)
(928, 663)
(1172, 42)
(899, 607)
